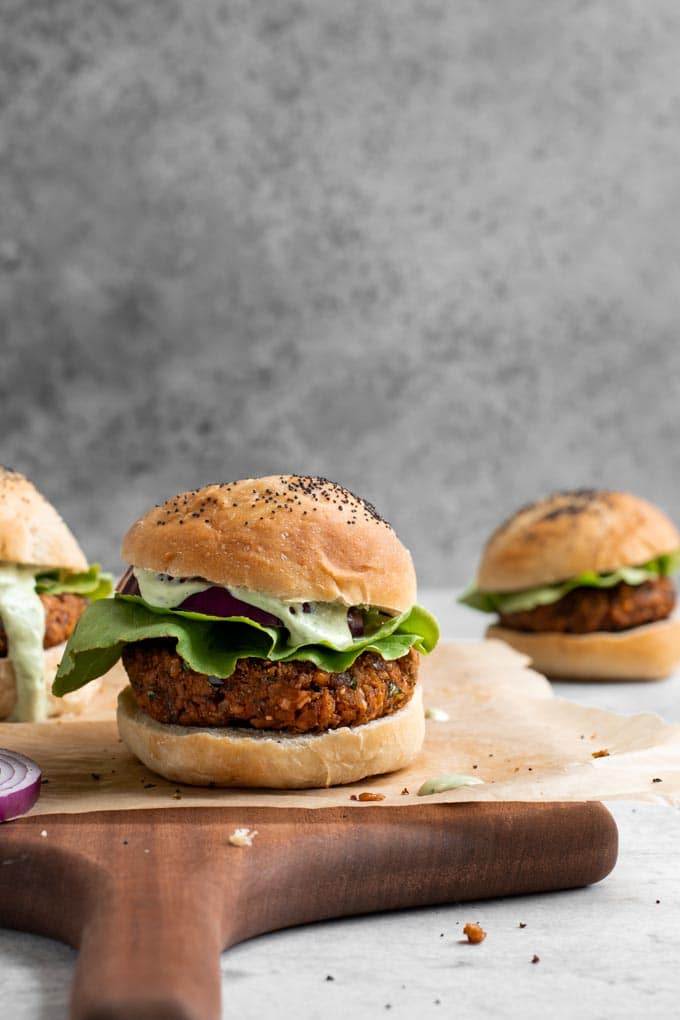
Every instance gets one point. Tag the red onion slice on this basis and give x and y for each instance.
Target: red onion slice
(217, 601)
(355, 621)
(214, 601)
(19, 784)
(128, 584)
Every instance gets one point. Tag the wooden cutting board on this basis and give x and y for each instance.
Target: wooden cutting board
(151, 898)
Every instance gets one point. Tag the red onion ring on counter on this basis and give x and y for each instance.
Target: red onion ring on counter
(19, 784)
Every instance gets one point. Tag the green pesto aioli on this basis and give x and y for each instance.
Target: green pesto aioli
(452, 782)
(165, 592)
(23, 618)
(324, 621)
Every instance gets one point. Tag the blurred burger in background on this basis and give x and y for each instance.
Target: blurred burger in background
(581, 582)
(45, 585)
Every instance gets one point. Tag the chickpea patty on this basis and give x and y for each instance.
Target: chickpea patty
(585, 610)
(62, 612)
(294, 696)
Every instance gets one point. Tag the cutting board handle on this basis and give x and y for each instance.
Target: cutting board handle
(151, 898)
(151, 952)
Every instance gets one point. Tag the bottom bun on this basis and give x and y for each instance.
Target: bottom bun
(649, 652)
(233, 756)
(75, 702)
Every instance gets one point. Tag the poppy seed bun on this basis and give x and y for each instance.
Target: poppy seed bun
(31, 530)
(231, 756)
(648, 652)
(568, 533)
(291, 537)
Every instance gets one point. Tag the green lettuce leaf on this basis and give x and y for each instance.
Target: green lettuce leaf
(545, 595)
(213, 645)
(93, 583)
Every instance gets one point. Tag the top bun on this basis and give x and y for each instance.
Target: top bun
(292, 537)
(31, 530)
(567, 533)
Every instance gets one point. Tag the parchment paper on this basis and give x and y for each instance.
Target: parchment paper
(505, 727)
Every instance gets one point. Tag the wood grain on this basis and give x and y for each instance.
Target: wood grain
(151, 898)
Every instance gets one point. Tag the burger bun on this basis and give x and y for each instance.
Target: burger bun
(31, 530)
(231, 756)
(568, 533)
(293, 537)
(648, 652)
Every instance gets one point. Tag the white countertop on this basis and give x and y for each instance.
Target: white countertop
(608, 951)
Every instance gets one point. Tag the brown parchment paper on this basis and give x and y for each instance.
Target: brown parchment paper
(505, 727)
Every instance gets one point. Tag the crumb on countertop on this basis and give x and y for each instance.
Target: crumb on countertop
(474, 932)
(243, 837)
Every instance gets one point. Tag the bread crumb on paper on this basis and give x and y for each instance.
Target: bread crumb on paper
(474, 932)
(243, 837)
(604, 753)
(364, 797)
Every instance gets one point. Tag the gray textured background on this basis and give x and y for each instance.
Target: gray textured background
(427, 248)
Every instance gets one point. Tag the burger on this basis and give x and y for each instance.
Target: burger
(45, 585)
(581, 582)
(269, 632)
